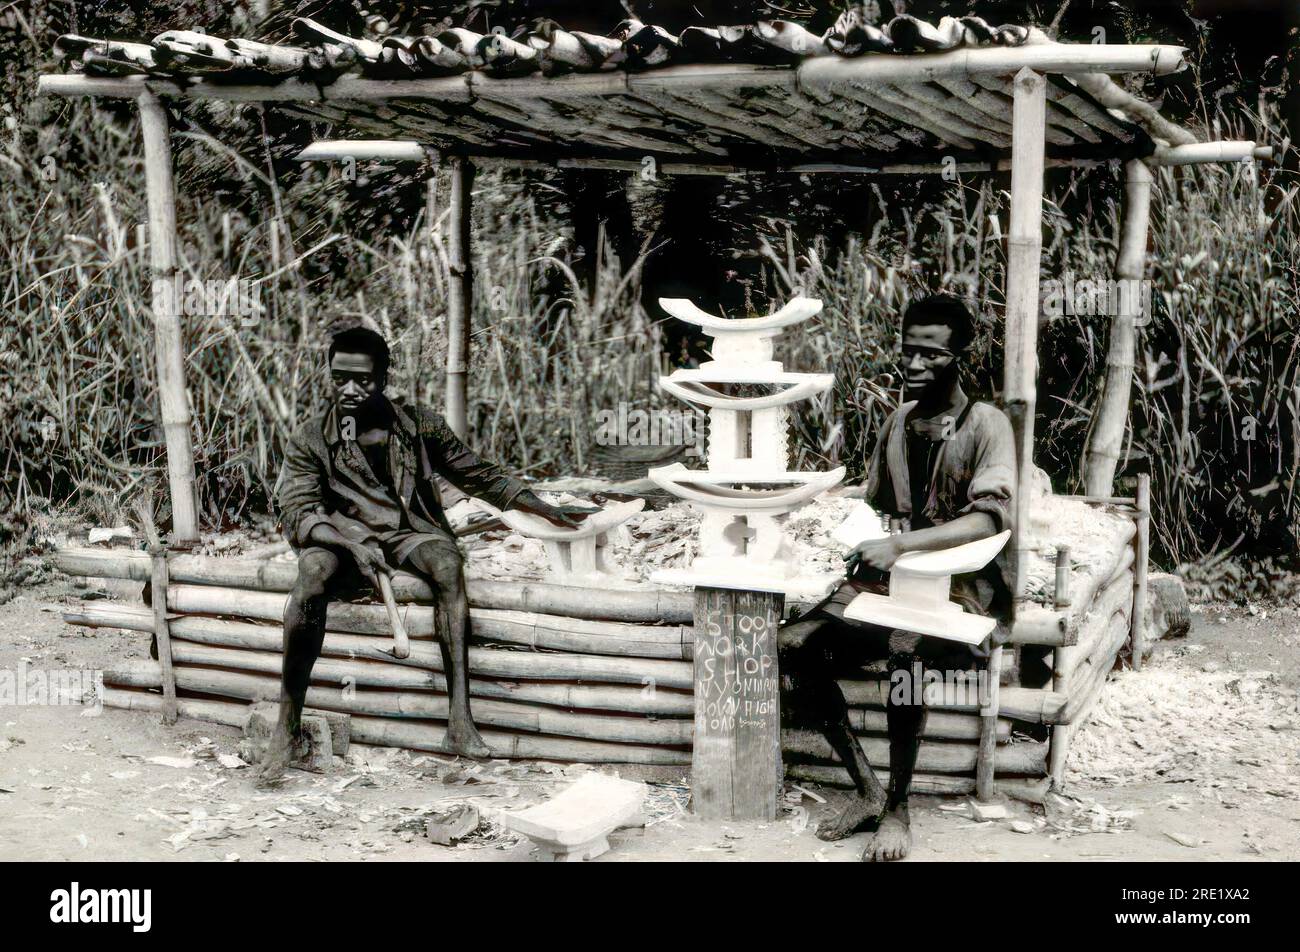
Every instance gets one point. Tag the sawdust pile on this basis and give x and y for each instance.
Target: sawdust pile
(653, 540)
(1095, 535)
(1173, 722)
(666, 538)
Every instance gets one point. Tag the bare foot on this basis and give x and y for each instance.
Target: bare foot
(892, 839)
(860, 813)
(279, 751)
(463, 738)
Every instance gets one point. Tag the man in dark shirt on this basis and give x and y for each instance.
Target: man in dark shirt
(357, 496)
(942, 470)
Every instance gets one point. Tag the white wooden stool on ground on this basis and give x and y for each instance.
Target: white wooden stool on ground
(575, 556)
(575, 824)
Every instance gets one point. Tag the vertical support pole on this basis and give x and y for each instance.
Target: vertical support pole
(736, 770)
(460, 295)
(1057, 752)
(158, 583)
(1024, 251)
(1061, 595)
(166, 306)
(1142, 539)
(1107, 437)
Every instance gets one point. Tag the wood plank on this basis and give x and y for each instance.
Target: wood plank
(1058, 118)
(736, 758)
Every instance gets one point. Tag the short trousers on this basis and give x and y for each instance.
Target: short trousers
(396, 546)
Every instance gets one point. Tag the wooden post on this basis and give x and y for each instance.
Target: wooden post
(166, 306)
(1024, 250)
(736, 771)
(162, 633)
(1141, 539)
(1061, 597)
(1107, 437)
(460, 295)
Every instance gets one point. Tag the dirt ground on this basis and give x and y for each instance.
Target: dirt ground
(1221, 786)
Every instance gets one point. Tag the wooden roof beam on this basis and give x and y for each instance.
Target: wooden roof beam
(380, 150)
(817, 71)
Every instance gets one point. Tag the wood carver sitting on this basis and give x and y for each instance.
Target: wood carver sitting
(356, 497)
(943, 470)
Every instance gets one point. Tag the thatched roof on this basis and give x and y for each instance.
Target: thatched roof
(764, 95)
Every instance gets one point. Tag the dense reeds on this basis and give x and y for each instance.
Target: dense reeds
(1215, 391)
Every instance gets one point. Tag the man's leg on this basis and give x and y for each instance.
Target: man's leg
(304, 633)
(905, 723)
(441, 564)
(815, 693)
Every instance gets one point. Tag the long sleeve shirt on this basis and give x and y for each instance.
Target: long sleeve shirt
(972, 461)
(324, 474)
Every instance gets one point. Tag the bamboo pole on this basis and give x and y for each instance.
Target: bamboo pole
(1090, 677)
(1061, 594)
(345, 665)
(162, 632)
(1022, 704)
(165, 304)
(520, 628)
(1091, 59)
(1118, 596)
(650, 673)
(1200, 153)
(1024, 250)
(1141, 557)
(986, 752)
(835, 776)
(361, 661)
(1058, 753)
(1046, 57)
(424, 735)
(1015, 703)
(932, 757)
(543, 598)
(379, 150)
(460, 295)
(1039, 625)
(534, 719)
(939, 725)
(1107, 437)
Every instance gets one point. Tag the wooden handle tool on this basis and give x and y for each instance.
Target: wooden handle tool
(401, 642)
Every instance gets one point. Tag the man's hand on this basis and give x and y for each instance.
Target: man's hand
(369, 562)
(877, 553)
(566, 516)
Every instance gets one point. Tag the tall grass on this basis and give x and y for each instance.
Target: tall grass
(548, 350)
(1215, 415)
